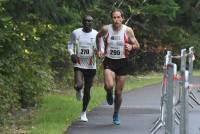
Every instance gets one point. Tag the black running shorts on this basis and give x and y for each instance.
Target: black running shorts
(119, 66)
(86, 72)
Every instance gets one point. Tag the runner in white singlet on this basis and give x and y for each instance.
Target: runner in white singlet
(119, 41)
(115, 43)
(82, 48)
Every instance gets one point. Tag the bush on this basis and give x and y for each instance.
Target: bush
(9, 102)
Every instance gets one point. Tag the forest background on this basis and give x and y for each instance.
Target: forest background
(34, 34)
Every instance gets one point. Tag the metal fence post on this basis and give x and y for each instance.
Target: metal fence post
(170, 111)
(184, 97)
(190, 60)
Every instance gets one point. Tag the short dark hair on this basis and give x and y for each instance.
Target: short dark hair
(117, 10)
(86, 16)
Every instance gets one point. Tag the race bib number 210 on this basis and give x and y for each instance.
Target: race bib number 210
(85, 51)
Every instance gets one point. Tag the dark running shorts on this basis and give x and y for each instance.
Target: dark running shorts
(86, 72)
(118, 66)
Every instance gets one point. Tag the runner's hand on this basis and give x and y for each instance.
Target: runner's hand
(100, 54)
(74, 58)
(128, 47)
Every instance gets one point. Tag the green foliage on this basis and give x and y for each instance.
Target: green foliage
(163, 8)
(23, 63)
(8, 99)
(34, 34)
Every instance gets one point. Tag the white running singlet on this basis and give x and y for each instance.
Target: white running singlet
(83, 45)
(115, 43)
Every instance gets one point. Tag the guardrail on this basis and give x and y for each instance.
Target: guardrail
(169, 112)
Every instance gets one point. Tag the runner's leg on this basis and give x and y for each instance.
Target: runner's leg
(78, 77)
(120, 81)
(109, 84)
(87, 86)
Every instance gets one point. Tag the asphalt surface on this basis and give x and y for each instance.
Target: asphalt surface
(140, 108)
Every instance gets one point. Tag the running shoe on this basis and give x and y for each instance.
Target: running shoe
(116, 120)
(79, 95)
(109, 98)
(83, 117)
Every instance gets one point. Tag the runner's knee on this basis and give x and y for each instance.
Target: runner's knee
(88, 86)
(118, 93)
(78, 86)
(86, 95)
(108, 87)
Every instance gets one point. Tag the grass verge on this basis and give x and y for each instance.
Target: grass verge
(58, 111)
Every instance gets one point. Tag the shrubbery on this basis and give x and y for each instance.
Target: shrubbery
(34, 34)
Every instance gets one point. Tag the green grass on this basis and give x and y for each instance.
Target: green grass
(196, 73)
(141, 81)
(58, 111)
(55, 114)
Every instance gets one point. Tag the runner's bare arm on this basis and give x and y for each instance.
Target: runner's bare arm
(103, 31)
(131, 39)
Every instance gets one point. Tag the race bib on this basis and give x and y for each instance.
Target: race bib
(116, 50)
(85, 51)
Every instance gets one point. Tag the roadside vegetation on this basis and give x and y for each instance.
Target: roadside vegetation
(59, 110)
(36, 73)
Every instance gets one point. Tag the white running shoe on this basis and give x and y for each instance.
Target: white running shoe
(83, 117)
(79, 95)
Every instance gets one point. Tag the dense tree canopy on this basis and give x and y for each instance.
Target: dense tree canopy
(34, 34)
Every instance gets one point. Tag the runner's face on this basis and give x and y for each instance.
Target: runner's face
(117, 19)
(87, 23)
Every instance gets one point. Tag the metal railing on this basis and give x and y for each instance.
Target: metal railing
(169, 112)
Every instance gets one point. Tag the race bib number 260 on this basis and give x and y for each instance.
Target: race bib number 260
(114, 52)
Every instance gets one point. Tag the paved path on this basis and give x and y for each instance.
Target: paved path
(140, 108)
